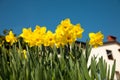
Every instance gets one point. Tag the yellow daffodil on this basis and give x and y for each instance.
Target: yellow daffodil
(77, 30)
(26, 34)
(40, 30)
(38, 35)
(60, 37)
(10, 38)
(70, 38)
(22, 53)
(65, 25)
(49, 39)
(59, 41)
(96, 39)
(37, 39)
(25, 54)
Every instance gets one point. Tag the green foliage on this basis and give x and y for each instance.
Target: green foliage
(46, 63)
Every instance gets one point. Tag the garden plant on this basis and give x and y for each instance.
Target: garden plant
(41, 54)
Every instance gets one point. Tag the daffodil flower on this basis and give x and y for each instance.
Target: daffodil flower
(96, 39)
(10, 38)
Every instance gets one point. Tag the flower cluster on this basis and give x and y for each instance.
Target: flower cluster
(34, 38)
(65, 33)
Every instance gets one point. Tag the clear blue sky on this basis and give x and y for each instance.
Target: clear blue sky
(93, 15)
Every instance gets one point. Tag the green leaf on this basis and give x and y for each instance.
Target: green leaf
(113, 70)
